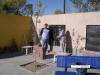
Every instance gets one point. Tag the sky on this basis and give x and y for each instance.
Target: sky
(51, 5)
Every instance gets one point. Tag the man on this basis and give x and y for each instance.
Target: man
(44, 34)
(51, 39)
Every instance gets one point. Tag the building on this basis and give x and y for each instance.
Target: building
(83, 29)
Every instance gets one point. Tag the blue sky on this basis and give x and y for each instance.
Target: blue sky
(52, 5)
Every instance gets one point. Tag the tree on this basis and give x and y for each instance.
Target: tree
(27, 10)
(58, 11)
(80, 5)
(18, 7)
(89, 5)
(95, 4)
(39, 8)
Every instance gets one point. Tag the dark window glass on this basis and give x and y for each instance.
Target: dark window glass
(93, 37)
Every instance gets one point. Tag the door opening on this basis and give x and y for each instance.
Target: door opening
(56, 29)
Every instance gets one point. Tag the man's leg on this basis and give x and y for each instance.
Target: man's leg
(45, 46)
(51, 45)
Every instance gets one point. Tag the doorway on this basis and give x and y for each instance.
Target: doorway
(56, 29)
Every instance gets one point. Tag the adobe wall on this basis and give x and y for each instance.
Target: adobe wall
(75, 23)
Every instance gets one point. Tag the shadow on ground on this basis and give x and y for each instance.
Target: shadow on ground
(34, 66)
(10, 55)
(49, 56)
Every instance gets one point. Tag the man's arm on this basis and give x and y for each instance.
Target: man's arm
(41, 32)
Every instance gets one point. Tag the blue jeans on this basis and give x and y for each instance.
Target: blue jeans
(45, 43)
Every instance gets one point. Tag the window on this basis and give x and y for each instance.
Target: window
(93, 37)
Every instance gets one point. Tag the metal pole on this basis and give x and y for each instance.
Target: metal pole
(37, 15)
(64, 6)
(35, 48)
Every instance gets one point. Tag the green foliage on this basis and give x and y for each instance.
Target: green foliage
(15, 3)
(30, 9)
(95, 4)
(89, 5)
(80, 5)
(27, 10)
(97, 8)
(11, 6)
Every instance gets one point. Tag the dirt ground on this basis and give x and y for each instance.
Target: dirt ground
(34, 66)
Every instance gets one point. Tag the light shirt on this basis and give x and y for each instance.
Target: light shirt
(45, 34)
(61, 35)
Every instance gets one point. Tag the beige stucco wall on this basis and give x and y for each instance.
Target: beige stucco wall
(75, 23)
